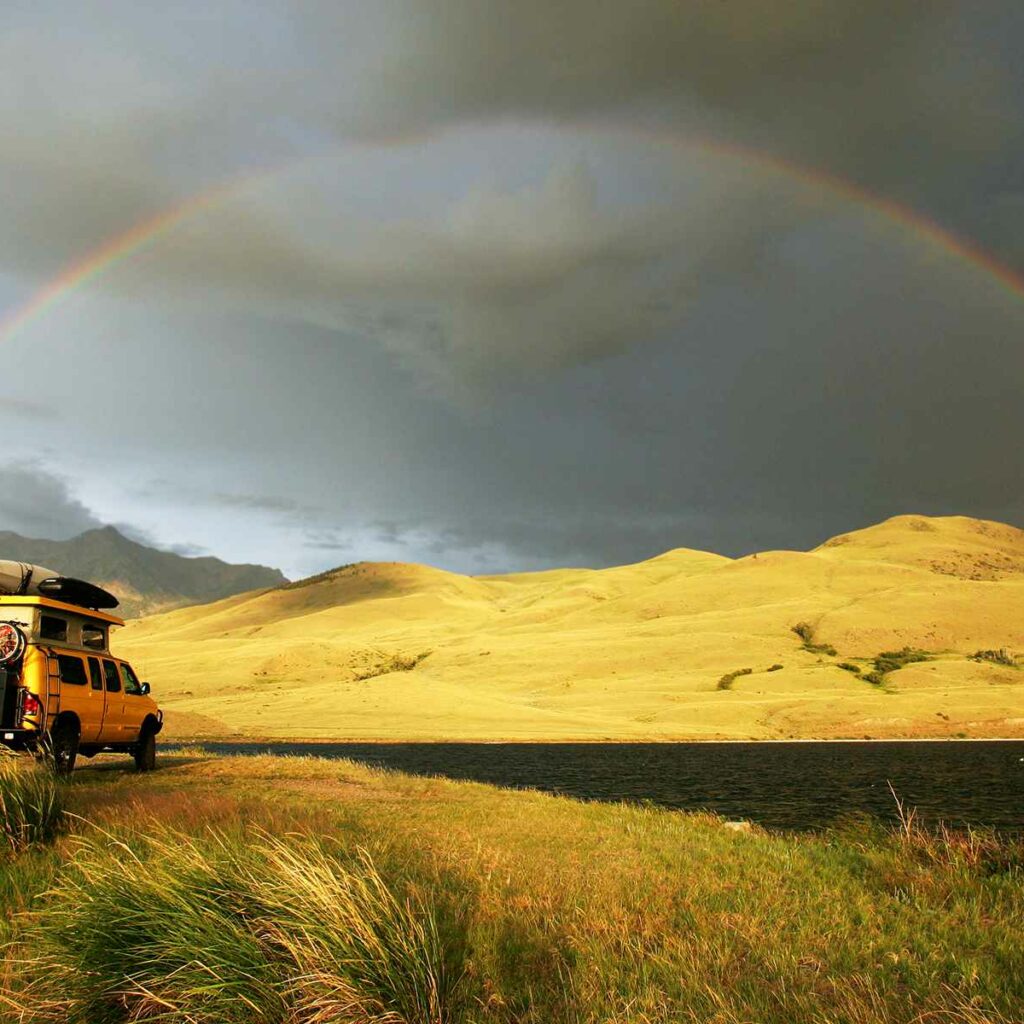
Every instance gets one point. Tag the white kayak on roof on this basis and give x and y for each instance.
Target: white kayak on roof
(23, 579)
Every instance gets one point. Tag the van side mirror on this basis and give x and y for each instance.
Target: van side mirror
(144, 689)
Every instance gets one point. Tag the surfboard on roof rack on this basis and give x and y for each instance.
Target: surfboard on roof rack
(25, 579)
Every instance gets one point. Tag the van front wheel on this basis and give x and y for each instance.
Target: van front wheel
(145, 752)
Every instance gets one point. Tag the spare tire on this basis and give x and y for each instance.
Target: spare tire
(12, 643)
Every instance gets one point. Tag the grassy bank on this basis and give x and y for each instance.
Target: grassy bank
(258, 889)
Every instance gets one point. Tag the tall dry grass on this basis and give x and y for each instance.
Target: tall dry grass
(241, 927)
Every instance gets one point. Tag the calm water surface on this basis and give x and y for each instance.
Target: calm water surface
(780, 785)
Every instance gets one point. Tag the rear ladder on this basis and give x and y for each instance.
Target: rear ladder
(51, 709)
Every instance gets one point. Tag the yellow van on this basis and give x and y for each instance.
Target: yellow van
(62, 692)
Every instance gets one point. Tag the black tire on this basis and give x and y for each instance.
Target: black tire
(64, 747)
(145, 752)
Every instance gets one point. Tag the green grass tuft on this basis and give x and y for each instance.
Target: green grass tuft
(31, 804)
(238, 927)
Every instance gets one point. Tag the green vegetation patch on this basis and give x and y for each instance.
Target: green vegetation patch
(805, 631)
(725, 683)
(1000, 657)
(392, 663)
(893, 661)
(848, 666)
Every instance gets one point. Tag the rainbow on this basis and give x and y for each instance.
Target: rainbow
(147, 232)
(138, 237)
(928, 230)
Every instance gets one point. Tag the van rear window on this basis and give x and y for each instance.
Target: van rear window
(72, 670)
(52, 628)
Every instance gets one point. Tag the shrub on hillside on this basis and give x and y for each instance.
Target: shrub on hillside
(805, 631)
(775, 668)
(393, 663)
(848, 666)
(725, 683)
(892, 661)
(1000, 657)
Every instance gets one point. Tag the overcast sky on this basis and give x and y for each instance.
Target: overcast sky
(498, 285)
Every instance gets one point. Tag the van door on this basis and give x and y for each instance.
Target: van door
(113, 721)
(96, 684)
(77, 695)
(135, 707)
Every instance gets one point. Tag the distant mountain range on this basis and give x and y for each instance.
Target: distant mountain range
(144, 579)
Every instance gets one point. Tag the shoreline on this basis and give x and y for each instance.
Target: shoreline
(246, 741)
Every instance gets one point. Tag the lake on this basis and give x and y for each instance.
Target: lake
(779, 785)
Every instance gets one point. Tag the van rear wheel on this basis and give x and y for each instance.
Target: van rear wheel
(145, 752)
(64, 747)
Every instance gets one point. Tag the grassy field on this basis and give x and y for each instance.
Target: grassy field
(298, 890)
(812, 644)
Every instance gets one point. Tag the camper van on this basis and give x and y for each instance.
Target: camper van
(62, 692)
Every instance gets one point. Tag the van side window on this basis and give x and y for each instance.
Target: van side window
(72, 669)
(52, 628)
(131, 682)
(94, 636)
(111, 676)
(95, 675)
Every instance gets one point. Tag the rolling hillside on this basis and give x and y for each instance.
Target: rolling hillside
(143, 579)
(382, 650)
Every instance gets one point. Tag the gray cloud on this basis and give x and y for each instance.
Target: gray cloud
(858, 86)
(11, 406)
(37, 503)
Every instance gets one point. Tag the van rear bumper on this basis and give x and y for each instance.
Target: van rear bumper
(18, 739)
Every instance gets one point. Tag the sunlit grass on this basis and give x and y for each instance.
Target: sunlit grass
(235, 926)
(31, 803)
(357, 894)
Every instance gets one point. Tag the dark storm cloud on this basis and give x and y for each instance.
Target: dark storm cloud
(858, 83)
(561, 363)
(921, 102)
(37, 503)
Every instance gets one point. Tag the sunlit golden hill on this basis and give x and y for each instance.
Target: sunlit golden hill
(654, 650)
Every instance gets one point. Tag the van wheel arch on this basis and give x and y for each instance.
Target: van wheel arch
(150, 724)
(67, 720)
